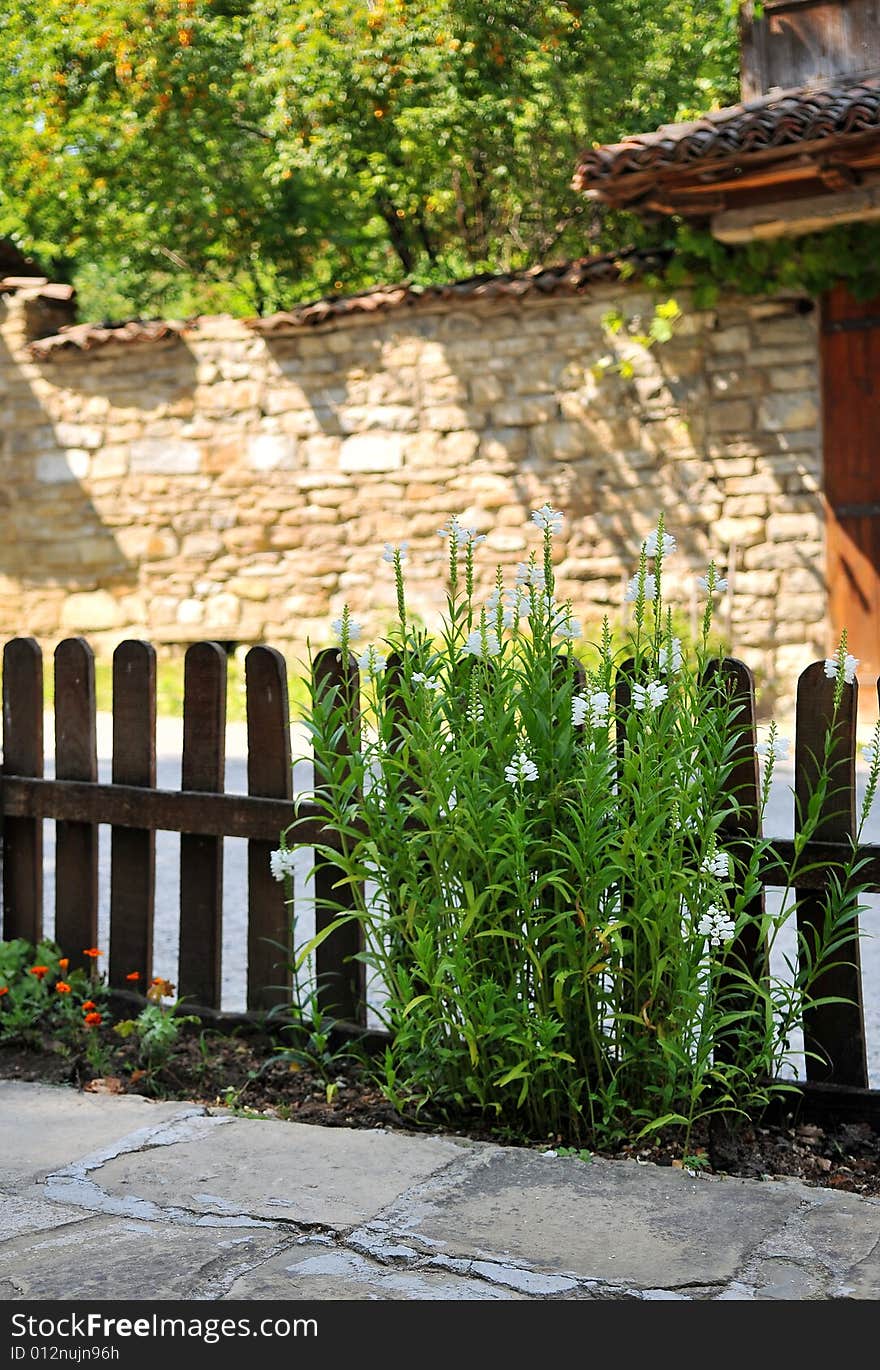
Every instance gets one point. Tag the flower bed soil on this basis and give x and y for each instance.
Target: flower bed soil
(243, 1071)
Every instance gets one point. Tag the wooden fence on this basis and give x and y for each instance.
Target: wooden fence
(203, 814)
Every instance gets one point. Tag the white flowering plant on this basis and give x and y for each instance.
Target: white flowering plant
(540, 859)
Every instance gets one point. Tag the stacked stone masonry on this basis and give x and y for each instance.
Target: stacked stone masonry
(241, 486)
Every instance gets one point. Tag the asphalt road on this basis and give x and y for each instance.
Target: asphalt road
(779, 823)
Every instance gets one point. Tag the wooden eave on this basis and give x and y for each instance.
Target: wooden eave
(824, 165)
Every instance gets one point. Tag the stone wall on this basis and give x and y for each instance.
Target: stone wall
(241, 486)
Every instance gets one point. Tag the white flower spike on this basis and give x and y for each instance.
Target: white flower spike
(521, 768)
(632, 589)
(548, 518)
(650, 695)
(651, 545)
(530, 575)
(372, 662)
(717, 926)
(590, 708)
(713, 584)
(779, 749)
(849, 668)
(717, 865)
(474, 644)
(354, 629)
(569, 629)
(670, 657)
(281, 863)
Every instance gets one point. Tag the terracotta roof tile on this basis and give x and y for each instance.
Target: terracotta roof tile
(569, 278)
(85, 337)
(780, 120)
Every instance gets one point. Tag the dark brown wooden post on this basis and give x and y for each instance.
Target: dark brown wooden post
(270, 774)
(623, 683)
(341, 978)
(395, 701)
(133, 850)
(738, 834)
(76, 758)
(23, 755)
(834, 1034)
(563, 662)
(201, 858)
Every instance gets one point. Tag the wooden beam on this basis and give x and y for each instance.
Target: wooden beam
(130, 806)
(790, 218)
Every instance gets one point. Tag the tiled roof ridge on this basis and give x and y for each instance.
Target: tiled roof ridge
(781, 118)
(85, 337)
(572, 277)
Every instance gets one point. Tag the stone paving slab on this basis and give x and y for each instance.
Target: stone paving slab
(331, 1271)
(119, 1258)
(19, 1215)
(43, 1127)
(615, 1222)
(274, 1171)
(195, 1203)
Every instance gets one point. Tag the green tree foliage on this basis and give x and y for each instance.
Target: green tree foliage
(242, 154)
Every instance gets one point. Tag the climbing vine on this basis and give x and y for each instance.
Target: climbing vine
(811, 263)
(707, 268)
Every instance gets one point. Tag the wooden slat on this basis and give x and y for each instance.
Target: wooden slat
(125, 806)
(76, 758)
(341, 978)
(270, 773)
(395, 703)
(22, 755)
(398, 710)
(133, 850)
(835, 1031)
(235, 815)
(789, 217)
(563, 663)
(737, 835)
(201, 858)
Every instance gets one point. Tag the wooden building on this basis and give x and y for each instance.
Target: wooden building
(800, 154)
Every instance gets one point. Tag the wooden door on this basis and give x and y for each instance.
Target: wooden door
(851, 423)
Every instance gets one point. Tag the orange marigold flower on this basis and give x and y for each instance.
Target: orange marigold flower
(39, 971)
(63, 963)
(89, 1003)
(62, 987)
(133, 975)
(93, 1019)
(3, 990)
(160, 989)
(94, 952)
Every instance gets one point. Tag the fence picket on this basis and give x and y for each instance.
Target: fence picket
(23, 755)
(738, 832)
(76, 758)
(270, 939)
(133, 850)
(201, 858)
(341, 978)
(834, 1034)
(563, 664)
